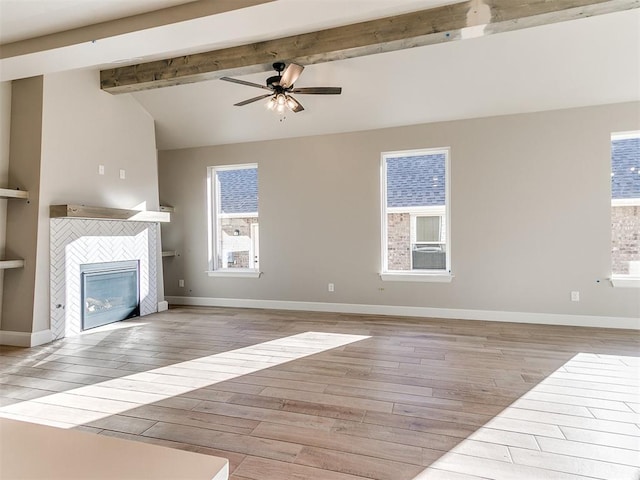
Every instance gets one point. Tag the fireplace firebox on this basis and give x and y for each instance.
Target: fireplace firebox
(110, 292)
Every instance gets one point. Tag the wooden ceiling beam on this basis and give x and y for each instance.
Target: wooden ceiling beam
(436, 25)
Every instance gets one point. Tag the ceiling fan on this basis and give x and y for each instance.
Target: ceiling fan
(281, 87)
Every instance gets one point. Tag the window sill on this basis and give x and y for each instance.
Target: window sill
(235, 273)
(417, 277)
(625, 281)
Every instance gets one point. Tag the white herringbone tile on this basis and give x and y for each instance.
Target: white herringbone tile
(75, 242)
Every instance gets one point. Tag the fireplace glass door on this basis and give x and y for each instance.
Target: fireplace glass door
(110, 292)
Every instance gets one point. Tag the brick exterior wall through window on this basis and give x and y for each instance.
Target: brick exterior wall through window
(625, 240)
(399, 241)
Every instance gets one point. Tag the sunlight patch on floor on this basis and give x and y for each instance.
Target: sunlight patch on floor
(583, 419)
(89, 403)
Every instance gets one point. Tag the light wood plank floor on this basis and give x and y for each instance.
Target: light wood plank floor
(299, 395)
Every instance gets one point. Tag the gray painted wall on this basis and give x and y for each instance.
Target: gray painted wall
(530, 206)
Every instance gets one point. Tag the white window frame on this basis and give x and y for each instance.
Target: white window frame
(441, 276)
(621, 280)
(213, 200)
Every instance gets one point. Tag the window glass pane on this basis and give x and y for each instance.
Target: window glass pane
(236, 218)
(427, 229)
(625, 205)
(416, 186)
(237, 243)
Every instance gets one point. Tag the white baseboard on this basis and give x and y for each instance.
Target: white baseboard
(405, 311)
(25, 339)
(162, 306)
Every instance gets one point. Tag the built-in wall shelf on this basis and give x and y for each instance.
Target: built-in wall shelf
(166, 208)
(104, 213)
(6, 264)
(169, 253)
(13, 193)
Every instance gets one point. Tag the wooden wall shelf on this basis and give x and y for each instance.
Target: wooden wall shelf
(103, 213)
(13, 193)
(6, 264)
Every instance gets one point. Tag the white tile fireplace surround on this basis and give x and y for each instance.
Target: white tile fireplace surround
(76, 242)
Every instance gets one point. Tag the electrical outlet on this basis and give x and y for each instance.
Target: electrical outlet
(100, 169)
(123, 174)
(575, 296)
(331, 287)
(181, 283)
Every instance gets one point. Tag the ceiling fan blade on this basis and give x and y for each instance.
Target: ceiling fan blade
(318, 90)
(290, 75)
(243, 82)
(294, 104)
(251, 100)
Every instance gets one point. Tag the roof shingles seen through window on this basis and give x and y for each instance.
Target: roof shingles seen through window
(416, 181)
(625, 168)
(238, 190)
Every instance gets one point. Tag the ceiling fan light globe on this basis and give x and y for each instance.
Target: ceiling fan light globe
(271, 104)
(291, 103)
(280, 108)
(281, 99)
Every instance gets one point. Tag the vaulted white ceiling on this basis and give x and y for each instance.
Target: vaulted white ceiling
(22, 19)
(583, 62)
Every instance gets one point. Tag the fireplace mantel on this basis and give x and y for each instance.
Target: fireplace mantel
(104, 213)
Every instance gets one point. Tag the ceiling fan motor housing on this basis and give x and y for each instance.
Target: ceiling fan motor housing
(273, 82)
